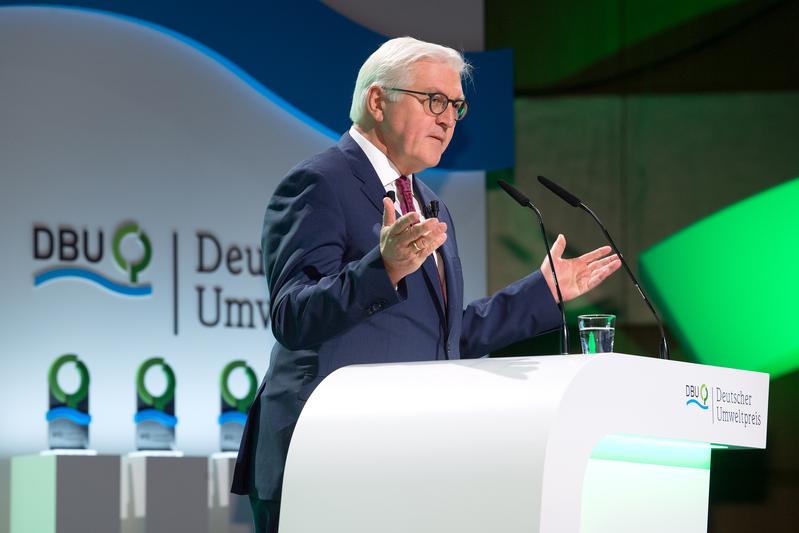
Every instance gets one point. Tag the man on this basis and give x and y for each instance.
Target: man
(351, 282)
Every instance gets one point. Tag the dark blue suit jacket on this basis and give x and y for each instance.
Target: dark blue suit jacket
(332, 303)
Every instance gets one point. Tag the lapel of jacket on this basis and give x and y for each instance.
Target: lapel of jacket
(362, 169)
(425, 194)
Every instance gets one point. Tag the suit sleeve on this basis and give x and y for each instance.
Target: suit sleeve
(315, 294)
(521, 310)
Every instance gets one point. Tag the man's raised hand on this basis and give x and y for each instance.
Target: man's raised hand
(580, 274)
(405, 243)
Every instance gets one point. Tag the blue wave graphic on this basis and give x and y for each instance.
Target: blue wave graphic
(94, 277)
(158, 416)
(232, 416)
(693, 401)
(80, 418)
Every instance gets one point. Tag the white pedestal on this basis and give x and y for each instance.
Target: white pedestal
(164, 493)
(227, 513)
(65, 493)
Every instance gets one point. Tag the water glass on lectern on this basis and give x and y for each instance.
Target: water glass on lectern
(596, 333)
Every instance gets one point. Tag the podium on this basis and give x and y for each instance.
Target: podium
(554, 444)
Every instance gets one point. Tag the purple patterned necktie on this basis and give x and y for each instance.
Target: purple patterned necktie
(405, 194)
(406, 204)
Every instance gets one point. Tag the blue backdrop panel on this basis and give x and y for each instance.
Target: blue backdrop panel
(307, 55)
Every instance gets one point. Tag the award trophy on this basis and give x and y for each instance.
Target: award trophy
(155, 415)
(68, 417)
(233, 414)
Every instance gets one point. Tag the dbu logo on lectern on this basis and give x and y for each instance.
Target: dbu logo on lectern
(77, 250)
(696, 393)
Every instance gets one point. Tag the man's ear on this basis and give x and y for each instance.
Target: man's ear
(375, 100)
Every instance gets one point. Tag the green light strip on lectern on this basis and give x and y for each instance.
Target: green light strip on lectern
(728, 285)
(634, 484)
(666, 452)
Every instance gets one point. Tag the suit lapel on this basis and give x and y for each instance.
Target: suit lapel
(362, 169)
(449, 252)
(454, 303)
(425, 194)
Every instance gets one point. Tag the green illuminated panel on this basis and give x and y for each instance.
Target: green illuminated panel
(653, 451)
(634, 484)
(729, 284)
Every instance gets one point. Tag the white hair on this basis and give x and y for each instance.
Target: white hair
(388, 66)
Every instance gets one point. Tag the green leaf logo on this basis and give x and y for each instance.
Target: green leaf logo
(132, 269)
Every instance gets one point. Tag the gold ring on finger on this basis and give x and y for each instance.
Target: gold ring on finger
(416, 246)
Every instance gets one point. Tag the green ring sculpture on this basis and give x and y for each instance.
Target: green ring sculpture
(71, 400)
(241, 404)
(159, 402)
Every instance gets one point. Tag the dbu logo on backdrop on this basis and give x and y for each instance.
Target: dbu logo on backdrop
(77, 251)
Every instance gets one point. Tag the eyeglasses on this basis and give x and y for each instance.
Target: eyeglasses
(438, 102)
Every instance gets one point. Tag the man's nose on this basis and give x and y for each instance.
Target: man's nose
(447, 117)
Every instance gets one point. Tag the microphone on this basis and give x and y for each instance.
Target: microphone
(573, 201)
(392, 196)
(525, 202)
(434, 208)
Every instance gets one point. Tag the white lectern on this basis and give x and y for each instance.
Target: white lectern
(554, 444)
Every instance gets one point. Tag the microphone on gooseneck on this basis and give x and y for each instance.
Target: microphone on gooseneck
(525, 202)
(573, 201)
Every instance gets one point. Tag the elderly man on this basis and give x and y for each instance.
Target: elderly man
(352, 282)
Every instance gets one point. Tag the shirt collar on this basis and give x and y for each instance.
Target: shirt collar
(383, 166)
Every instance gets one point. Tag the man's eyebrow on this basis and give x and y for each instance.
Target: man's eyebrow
(439, 91)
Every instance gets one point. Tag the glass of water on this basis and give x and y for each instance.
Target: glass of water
(596, 333)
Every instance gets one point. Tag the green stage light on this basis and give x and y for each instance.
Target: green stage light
(729, 284)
